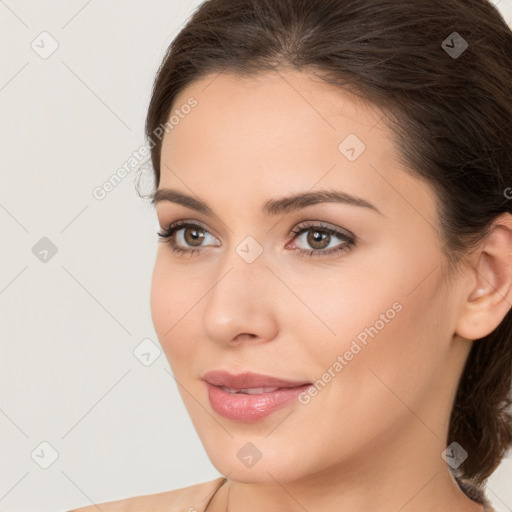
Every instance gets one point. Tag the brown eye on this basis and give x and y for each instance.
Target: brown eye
(320, 240)
(316, 239)
(187, 237)
(193, 236)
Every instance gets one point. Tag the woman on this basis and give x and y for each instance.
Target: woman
(333, 291)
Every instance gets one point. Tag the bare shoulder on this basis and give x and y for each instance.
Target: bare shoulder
(186, 499)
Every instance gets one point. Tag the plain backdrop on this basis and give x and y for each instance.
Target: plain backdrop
(84, 417)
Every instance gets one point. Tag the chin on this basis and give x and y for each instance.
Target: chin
(233, 460)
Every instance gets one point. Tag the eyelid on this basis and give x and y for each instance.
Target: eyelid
(295, 231)
(305, 225)
(184, 223)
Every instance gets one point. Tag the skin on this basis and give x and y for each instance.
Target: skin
(374, 435)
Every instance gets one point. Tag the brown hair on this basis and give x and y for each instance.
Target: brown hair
(452, 116)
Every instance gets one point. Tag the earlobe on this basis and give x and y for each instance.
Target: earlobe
(490, 297)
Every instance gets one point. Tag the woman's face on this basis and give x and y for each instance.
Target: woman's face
(368, 318)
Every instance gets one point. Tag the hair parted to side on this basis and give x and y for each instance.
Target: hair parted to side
(452, 118)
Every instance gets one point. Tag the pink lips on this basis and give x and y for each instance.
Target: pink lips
(245, 398)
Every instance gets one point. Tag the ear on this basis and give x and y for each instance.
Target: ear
(489, 295)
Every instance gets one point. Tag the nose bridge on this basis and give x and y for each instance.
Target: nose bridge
(239, 301)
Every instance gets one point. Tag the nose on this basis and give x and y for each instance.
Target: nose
(241, 305)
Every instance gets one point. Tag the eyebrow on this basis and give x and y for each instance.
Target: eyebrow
(272, 206)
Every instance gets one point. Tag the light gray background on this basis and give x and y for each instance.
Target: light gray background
(69, 325)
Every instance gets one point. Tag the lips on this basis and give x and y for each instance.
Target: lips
(249, 397)
(248, 380)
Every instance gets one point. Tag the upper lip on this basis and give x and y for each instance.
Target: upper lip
(248, 380)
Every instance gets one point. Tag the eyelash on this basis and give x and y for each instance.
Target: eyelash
(166, 236)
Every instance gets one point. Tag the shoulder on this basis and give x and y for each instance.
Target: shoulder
(186, 499)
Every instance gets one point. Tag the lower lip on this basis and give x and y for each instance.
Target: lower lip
(248, 408)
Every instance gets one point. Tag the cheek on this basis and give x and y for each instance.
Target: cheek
(384, 365)
(175, 303)
(160, 300)
(169, 300)
(388, 320)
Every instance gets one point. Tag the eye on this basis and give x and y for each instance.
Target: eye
(320, 238)
(186, 237)
(181, 233)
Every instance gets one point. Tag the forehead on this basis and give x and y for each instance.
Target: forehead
(267, 103)
(272, 133)
(283, 118)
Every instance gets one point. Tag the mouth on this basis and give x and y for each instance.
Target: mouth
(248, 380)
(249, 397)
(250, 391)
